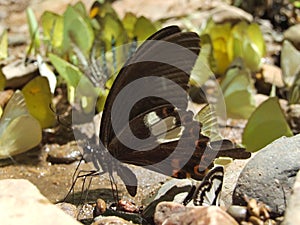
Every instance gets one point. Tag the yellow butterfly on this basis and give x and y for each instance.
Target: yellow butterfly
(19, 131)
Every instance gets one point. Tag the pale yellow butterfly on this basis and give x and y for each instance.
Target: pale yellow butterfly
(19, 131)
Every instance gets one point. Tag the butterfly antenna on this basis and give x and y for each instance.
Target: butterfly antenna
(58, 118)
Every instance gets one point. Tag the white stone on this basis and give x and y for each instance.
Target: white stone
(22, 203)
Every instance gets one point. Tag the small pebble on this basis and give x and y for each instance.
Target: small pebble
(63, 154)
(100, 207)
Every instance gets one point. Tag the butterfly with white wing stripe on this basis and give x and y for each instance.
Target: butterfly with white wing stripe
(209, 190)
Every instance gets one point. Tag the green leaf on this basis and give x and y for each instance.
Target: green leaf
(33, 28)
(235, 47)
(201, 70)
(296, 4)
(2, 80)
(266, 124)
(255, 35)
(113, 29)
(252, 56)
(38, 100)
(294, 92)
(69, 72)
(290, 58)
(238, 91)
(77, 30)
(101, 100)
(80, 8)
(114, 35)
(3, 45)
(79, 87)
(53, 27)
(143, 28)
(85, 95)
(240, 104)
(246, 41)
(129, 21)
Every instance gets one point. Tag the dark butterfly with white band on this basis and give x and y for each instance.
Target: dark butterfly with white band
(145, 121)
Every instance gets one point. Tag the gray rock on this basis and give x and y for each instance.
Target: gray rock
(17, 74)
(22, 203)
(270, 174)
(292, 215)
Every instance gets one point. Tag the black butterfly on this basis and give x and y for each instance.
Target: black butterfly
(145, 121)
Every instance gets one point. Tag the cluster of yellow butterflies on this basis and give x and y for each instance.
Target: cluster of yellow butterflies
(24, 116)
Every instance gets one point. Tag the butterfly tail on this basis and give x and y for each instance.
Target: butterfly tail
(226, 148)
(129, 179)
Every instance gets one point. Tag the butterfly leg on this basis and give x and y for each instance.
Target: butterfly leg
(85, 191)
(79, 174)
(114, 188)
(74, 179)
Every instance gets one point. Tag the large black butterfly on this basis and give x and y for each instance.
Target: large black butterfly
(145, 121)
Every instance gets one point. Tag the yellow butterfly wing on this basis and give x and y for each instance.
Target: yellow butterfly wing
(19, 131)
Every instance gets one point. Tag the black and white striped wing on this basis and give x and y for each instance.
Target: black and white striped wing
(208, 192)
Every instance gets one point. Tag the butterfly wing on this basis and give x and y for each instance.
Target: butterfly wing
(160, 56)
(15, 123)
(175, 146)
(156, 57)
(209, 190)
(129, 179)
(161, 69)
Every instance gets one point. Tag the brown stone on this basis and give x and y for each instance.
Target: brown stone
(169, 213)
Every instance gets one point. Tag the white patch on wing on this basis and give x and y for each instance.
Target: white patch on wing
(164, 129)
(208, 192)
(151, 118)
(172, 135)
